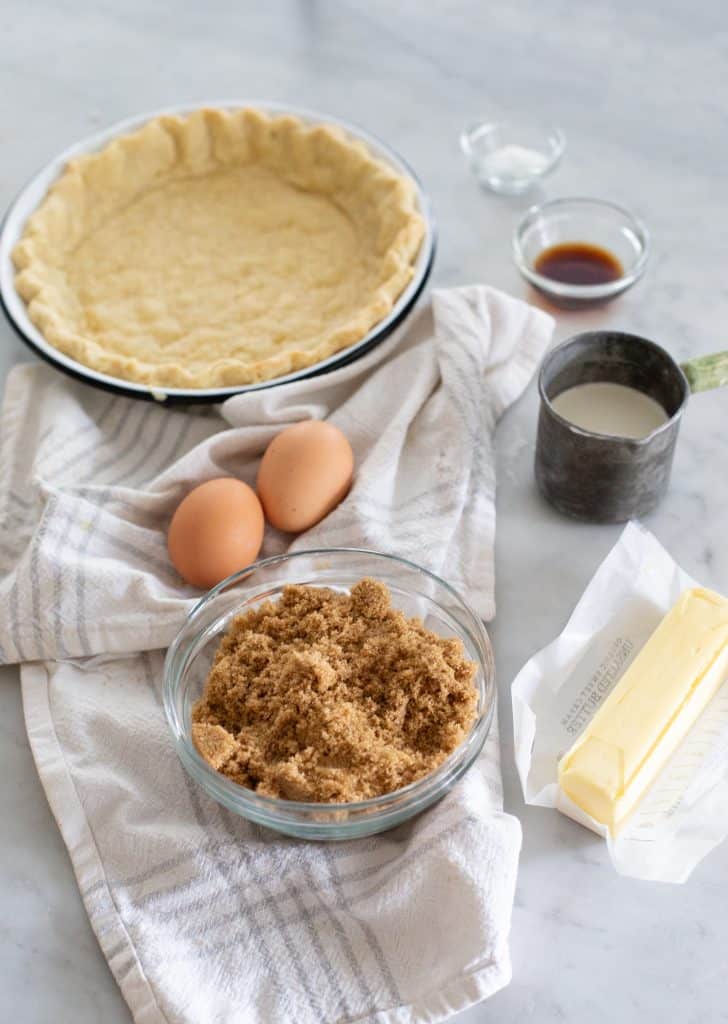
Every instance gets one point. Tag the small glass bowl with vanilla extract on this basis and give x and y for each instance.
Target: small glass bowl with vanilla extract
(579, 252)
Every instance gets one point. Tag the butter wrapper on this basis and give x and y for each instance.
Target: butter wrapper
(685, 813)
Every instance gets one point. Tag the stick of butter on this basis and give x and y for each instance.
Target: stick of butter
(650, 711)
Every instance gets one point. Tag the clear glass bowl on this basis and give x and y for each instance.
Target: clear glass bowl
(416, 592)
(508, 157)
(593, 221)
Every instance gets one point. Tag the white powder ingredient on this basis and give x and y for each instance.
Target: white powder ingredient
(514, 162)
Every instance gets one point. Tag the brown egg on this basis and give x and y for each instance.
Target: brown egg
(305, 472)
(216, 530)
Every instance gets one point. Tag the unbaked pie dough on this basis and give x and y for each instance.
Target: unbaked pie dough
(219, 248)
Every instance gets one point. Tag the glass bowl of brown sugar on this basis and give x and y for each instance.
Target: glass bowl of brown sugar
(272, 648)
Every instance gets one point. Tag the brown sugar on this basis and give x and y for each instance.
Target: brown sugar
(333, 697)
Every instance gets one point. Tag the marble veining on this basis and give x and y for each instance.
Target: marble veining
(640, 91)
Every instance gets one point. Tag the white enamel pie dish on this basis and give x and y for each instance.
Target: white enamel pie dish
(35, 191)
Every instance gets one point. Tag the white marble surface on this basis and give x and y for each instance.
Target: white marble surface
(641, 92)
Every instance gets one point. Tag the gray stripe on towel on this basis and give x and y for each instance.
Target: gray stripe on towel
(129, 474)
(90, 449)
(347, 902)
(230, 882)
(368, 931)
(35, 578)
(81, 550)
(354, 965)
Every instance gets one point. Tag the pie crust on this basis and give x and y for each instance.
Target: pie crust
(218, 248)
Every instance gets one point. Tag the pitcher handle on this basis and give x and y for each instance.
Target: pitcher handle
(706, 372)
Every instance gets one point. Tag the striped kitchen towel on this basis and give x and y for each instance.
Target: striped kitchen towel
(205, 918)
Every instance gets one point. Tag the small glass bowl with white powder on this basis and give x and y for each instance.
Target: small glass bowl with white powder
(509, 158)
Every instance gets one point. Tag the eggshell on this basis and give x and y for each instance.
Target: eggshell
(216, 530)
(305, 472)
